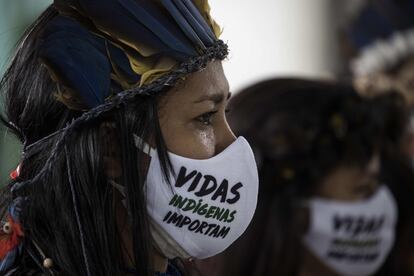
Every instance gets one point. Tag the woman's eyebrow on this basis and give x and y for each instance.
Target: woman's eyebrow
(214, 97)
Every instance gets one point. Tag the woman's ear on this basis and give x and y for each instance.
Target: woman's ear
(111, 150)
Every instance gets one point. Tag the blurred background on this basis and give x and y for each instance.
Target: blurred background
(267, 38)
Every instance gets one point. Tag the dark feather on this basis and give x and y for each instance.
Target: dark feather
(121, 65)
(76, 60)
(136, 23)
(175, 28)
(200, 19)
(110, 17)
(196, 20)
(152, 18)
(182, 22)
(79, 67)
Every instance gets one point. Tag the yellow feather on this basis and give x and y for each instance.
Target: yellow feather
(204, 7)
(162, 67)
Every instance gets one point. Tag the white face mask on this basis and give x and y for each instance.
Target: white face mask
(208, 205)
(352, 238)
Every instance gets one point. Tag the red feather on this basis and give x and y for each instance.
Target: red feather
(8, 242)
(15, 174)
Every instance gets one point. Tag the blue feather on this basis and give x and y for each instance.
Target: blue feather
(83, 61)
(182, 22)
(112, 17)
(135, 23)
(195, 19)
(81, 68)
(76, 61)
(68, 26)
(200, 19)
(146, 14)
(177, 30)
(118, 58)
(9, 260)
(15, 208)
(121, 64)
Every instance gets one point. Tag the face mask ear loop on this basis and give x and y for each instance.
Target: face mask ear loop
(142, 145)
(75, 207)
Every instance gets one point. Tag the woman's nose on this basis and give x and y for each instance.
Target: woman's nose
(224, 138)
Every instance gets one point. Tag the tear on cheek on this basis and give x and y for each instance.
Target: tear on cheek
(197, 150)
(207, 145)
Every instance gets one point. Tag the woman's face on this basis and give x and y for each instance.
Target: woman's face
(351, 183)
(344, 183)
(193, 115)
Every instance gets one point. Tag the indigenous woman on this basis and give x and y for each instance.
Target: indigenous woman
(128, 162)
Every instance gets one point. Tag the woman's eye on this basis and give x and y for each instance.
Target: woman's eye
(206, 118)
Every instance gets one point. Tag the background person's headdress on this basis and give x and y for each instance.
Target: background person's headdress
(104, 53)
(383, 35)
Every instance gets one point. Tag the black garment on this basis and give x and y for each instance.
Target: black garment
(398, 175)
(172, 270)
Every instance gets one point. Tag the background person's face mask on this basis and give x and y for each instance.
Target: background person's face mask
(208, 205)
(352, 238)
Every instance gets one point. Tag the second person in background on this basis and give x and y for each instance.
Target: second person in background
(325, 207)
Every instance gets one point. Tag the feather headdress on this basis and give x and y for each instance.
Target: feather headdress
(97, 48)
(383, 36)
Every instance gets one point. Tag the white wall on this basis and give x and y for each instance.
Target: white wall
(15, 15)
(276, 38)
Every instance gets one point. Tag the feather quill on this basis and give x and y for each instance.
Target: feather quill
(182, 22)
(199, 18)
(150, 16)
(196, 21)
